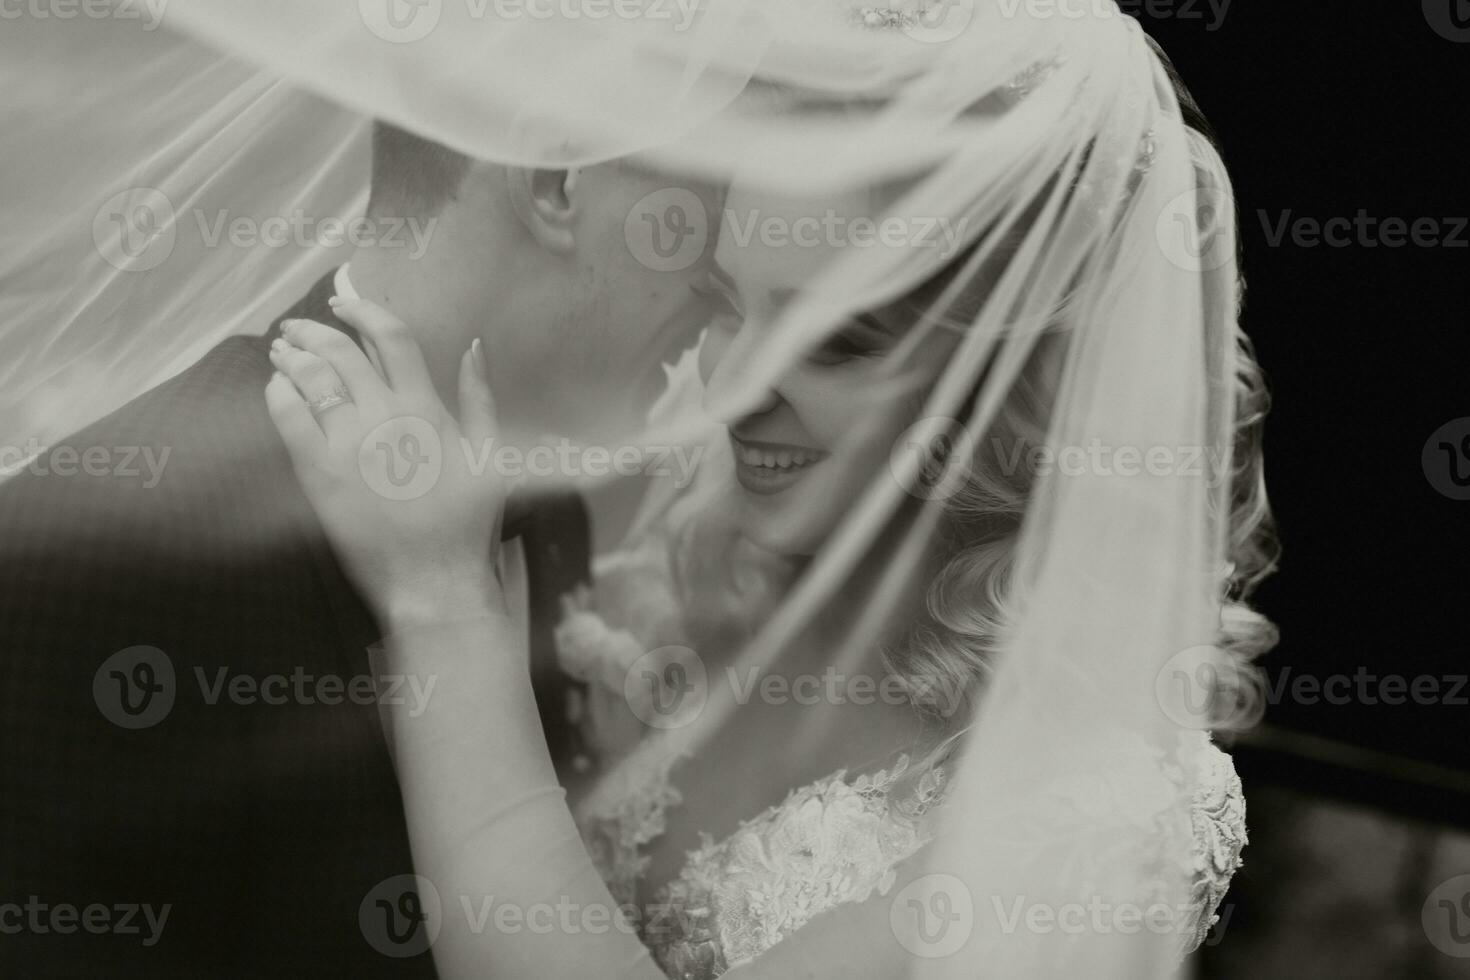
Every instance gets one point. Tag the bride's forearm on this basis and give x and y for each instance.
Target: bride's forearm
(475, 740)
(487, 820)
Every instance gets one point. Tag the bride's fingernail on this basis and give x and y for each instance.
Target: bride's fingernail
(280, 345)
(335, 301)
(477, 354)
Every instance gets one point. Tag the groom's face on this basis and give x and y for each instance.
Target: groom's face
(577, 304)
(643, 242)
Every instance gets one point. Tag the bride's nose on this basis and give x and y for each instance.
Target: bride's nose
(725, 358)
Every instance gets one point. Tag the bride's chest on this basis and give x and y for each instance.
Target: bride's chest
(713, 801)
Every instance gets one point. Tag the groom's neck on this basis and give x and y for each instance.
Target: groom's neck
(410, 296)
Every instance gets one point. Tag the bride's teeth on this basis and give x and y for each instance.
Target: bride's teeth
(783, 459)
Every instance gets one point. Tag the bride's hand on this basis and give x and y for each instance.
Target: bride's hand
(385, 465)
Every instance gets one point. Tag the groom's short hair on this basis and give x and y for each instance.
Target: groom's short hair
(412, 176)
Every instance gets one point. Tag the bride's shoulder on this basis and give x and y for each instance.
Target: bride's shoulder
(1217, 800)
(1217, 820)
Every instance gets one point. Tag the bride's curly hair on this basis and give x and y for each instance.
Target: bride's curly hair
(972, 599)
(971, 602)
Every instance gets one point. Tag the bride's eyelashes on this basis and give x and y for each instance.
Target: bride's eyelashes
(857, 339)
(863, 336)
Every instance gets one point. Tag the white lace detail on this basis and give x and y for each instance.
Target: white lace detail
(831, 842)
(1218, 817)
(625, 813)
(836, 841)
(828, 843)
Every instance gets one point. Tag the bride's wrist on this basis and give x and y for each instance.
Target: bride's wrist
(432, 602)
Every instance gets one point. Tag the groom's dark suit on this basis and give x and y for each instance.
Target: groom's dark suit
(261, 825)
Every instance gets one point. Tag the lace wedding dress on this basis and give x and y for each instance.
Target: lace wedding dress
(833, 841)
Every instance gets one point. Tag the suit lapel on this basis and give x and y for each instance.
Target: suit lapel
(556, 535)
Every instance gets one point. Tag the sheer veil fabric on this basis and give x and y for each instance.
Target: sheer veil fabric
(117, 262)
(1101, 226)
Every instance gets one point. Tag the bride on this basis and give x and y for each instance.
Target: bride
(946, 532)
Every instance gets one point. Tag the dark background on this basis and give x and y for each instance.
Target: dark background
(1358, 812)
(1325, 110)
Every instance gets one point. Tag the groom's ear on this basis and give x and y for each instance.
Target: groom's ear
(543, 201)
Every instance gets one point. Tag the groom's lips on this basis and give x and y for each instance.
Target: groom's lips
(770, 467)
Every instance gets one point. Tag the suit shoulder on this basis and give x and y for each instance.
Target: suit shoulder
(189, 453)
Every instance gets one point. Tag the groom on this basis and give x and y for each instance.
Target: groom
(193, 781)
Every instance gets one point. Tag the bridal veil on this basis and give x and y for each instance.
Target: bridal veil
(1048, 135)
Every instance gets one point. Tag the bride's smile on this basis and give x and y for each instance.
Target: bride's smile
(770, 467)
